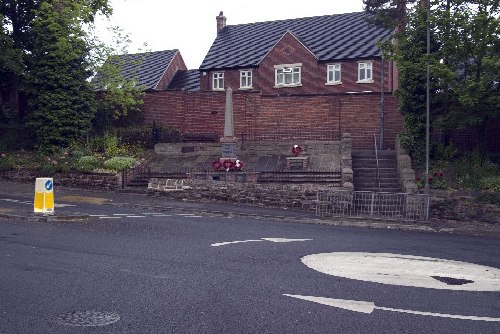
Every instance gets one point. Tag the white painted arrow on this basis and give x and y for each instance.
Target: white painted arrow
(369, 307)
(277, 240)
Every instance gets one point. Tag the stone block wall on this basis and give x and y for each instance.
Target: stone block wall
(405, 170)
(346, 161)
(72, 180)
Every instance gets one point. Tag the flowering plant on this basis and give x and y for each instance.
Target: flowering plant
(296, 150)
(436, 181)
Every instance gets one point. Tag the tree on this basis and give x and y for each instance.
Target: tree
(469, 32)
(61, 96)
(17, 17)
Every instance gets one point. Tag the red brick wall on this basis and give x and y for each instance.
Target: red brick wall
(296, 116)
(175, 65)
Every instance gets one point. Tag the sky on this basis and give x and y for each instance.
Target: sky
(190, 26)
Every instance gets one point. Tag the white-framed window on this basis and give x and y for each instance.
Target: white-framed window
(245, 79)
(333, 74)
(218, 81)
(365, 72)
(287, 75)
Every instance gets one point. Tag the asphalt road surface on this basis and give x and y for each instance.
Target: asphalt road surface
(132, 270)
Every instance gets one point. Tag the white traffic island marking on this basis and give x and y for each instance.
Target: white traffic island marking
(369, 307)
(406, 270)
(277, 240)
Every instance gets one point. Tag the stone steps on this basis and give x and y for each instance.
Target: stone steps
(364, 165)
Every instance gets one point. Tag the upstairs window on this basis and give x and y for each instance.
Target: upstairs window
(245, 79)
(218, 81)
(287, 75)
(365, 73)
(333, 76)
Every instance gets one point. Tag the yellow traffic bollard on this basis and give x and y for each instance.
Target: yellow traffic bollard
(44, 195)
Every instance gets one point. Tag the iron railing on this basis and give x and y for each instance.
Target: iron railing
(372, 205)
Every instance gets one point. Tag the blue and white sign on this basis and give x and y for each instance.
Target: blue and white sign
(49, 185)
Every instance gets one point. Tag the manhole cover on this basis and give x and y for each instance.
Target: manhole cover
(452, 281)
(87, 318)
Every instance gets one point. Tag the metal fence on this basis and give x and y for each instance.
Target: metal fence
(372, 205)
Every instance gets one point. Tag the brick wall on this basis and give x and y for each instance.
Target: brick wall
(295, 116)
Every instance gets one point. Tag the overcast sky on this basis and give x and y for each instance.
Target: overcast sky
(190, 26)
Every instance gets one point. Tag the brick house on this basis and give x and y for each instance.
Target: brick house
(306, 78)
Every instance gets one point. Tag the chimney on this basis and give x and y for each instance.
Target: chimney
(221, 22)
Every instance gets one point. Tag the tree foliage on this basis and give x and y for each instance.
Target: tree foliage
(60, 95)
(464, 65)
(49, 53)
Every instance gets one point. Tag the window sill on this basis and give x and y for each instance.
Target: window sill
(246, 88)
(288, 86)
(218, 89)
(334, 83)
(365, 81)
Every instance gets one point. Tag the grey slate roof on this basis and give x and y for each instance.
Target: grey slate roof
(185, 80)
(146, 68)
(330, 37)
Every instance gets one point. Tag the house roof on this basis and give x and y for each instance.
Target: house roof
(329, 37)
(185, 80)
(146, 68)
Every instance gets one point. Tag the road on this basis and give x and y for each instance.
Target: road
(137, 270)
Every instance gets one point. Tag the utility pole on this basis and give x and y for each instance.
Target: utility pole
(428, 107)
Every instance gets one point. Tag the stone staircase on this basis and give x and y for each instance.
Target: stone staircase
(364, 167)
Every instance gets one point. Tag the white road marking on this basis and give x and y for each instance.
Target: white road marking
(406, 270)
(59, 205)
(184, 214)
(277, 240)
(95, 215)
(161, 215)
(105, 217)
(232, 242)
(369, 307)
(136, 216)
(9, 200)
(122, 214)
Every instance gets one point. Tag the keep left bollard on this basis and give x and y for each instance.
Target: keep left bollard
(44, 196)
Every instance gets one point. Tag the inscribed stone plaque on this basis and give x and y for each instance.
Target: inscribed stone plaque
(229, 150)
(296, 165)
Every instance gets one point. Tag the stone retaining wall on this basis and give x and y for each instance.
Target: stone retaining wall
(274, 195)
(405, 171)
(450, 205)
(69, 179)
(346, 161)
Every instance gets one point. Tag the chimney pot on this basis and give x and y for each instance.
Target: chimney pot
(221, 21)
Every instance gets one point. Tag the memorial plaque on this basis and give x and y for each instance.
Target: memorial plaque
(229, 150)
(296, 165)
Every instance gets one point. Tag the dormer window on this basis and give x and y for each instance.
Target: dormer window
(218, 81)
(287, 75)
(365, 72)
(333, 75)
(246, 79)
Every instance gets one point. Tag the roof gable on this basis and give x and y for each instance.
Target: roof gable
(146, 69)
(288, 33)
(330, 37)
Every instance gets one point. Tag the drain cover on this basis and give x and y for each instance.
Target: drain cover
(87, 318)
(452, 281)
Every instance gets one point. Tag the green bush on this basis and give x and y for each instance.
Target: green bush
(490, 183)
(6, 163)
(119, 163)
(110, 145)
(87, 164)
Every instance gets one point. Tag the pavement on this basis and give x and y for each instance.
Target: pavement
(162, 204)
